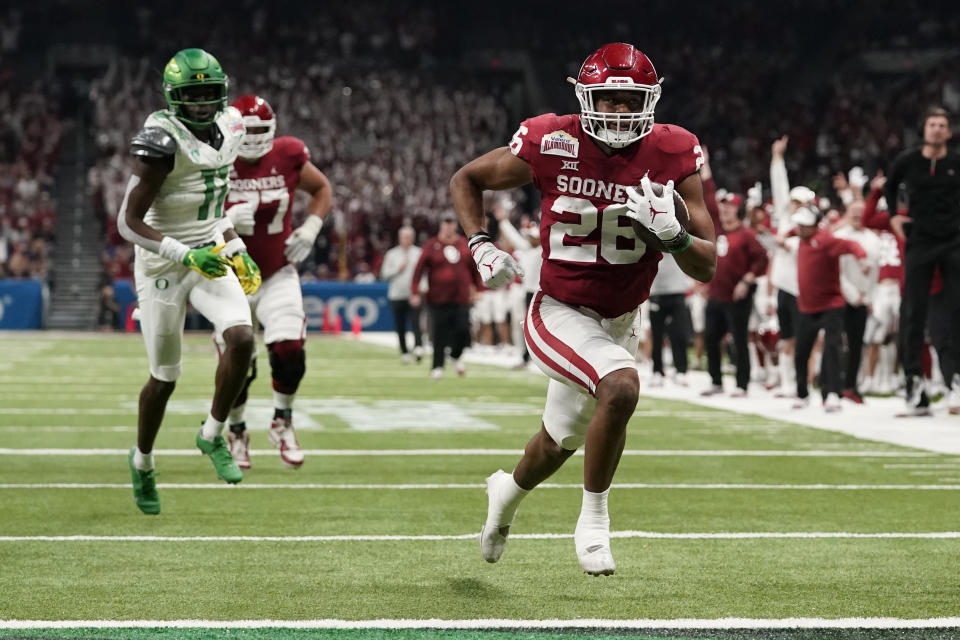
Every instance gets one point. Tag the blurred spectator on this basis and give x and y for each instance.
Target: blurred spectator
(398, 266)
(452, 282)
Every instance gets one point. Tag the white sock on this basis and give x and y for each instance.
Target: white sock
(593, 526)
(510, 495)
(594, 508)
(142, 461)
(788, 373)
(283, 400)
(236, 414)
(211, 428)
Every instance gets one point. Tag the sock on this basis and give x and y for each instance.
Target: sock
(236, 414)
(283, 400)
(788, 373)
(286, 414)
(142, 461)
(510, 496)
(593, 525)
(211, 428)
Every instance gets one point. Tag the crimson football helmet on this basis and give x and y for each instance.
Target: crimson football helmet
(617, 67)
(256, 113)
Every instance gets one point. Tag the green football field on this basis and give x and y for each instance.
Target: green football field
(719, 517)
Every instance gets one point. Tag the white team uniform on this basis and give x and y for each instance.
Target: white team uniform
(188, 208)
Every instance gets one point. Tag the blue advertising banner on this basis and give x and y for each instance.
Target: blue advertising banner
(21, 304)
(367, 301)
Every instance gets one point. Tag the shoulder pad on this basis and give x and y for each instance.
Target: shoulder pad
(673, 139)
(153, 142)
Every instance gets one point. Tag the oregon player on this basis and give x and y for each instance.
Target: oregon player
(187, 251)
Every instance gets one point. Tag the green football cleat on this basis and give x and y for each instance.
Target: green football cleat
(223, 462)
(144, 488)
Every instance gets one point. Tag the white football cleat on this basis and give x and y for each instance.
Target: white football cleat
(593, 548)
(460, 366)
(493, 535)
(283, 437)
(239, 446)
(436, 374)
(680, 379)
(831, 404)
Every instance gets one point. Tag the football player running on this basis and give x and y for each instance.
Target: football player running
(173, 212)
(594, 172)
(263, 182)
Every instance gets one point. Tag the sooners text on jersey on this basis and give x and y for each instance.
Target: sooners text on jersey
(270, 183)
(591, 256)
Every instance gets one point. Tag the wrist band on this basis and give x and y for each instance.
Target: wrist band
(680, 242)
(478, 238)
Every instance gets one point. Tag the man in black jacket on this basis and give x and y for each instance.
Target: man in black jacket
(930, 176)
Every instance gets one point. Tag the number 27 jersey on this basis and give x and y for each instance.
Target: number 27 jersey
(591, 255)
(270, 184)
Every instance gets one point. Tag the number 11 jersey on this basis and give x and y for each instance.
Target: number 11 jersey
(591, 255)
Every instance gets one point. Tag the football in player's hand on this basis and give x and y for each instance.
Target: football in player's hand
(680, 209)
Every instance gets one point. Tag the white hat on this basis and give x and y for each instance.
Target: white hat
(804, 216)
(803, 195)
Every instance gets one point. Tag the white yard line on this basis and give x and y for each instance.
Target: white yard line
(479, 485)
(489, 452)
(500, 623)
(649, 535)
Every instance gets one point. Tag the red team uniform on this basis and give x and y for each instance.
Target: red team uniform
(592, 258)
(271, 183)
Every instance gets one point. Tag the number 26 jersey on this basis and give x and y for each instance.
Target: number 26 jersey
(591, 255)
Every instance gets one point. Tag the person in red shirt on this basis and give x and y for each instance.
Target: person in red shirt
(821, 304)
(741, 259)
(452, 281)
(582, 328)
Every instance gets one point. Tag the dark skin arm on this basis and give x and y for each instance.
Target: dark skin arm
(316, 184)
(152, 172)
(699, 260)
(497, 170)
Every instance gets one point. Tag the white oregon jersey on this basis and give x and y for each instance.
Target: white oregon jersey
(189, 205)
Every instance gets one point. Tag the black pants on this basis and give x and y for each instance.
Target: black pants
(943, 334)
(787, 314)
(854, 323)
(450, 327)
(401, 312)
(810, 324)
(920, 260)
(668, 314)
(722, 317)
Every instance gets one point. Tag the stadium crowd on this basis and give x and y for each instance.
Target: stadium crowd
(30, 133)
(389, 123)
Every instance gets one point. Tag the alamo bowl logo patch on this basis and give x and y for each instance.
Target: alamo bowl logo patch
(560, 143)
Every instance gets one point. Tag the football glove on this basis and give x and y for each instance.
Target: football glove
(300, 242)
(207, 261)
(658, 214)
(242, 216)
(497, 267)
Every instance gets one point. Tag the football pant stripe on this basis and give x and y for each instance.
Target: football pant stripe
(554, 352)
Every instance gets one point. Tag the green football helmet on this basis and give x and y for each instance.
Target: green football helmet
(188, 70)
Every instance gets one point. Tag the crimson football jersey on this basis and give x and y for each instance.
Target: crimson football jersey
(591, 255)
(270, 182)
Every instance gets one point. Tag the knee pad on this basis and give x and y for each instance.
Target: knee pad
(287, 364)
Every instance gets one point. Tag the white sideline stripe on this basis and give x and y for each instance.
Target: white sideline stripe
(499, 623)
(651, 535)
(480, 485)
(489, 452)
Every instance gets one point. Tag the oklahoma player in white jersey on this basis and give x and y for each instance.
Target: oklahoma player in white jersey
(263, 182)
(581, 327)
